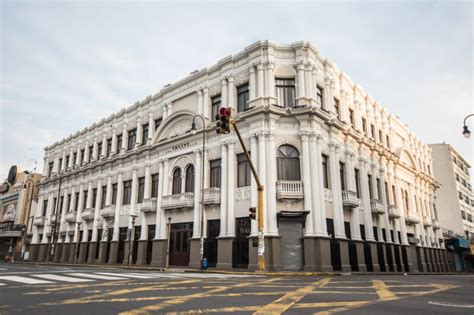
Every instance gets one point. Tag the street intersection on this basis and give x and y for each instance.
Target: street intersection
(46, 289)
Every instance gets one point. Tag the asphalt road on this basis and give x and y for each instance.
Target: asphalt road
(40, 289)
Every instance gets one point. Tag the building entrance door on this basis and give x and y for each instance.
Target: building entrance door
(179, 243)
(291, 232)
(240, 255)
(121, 244)
(210, 244)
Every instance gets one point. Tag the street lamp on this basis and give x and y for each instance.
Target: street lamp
(76, 252)
(194, 131)
(465, 130)
(131, 238)
(168, 244)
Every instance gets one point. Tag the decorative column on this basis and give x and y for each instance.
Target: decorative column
(262, 173)
(403, 227)
(124, 139)
(197, 195)
(160, 241)
(368, 225)
(309, 230)
(270, 80)
(271, 186)
(352, 186)
(95, 151)
(328, 94)
(151, 127)
(384, 200)
(133, 197)
(56, 166)
(300, 67)
(253, 184)
(199, 94)
(252, 83)
(103, 153)
(114, 142)
(223, 209)
(63, 162)
(230, 92)
(170, 109)
(260, 80)
(309, 82)
(138, 141)
(224, 92)
(95, 225)
(108, 195)
(205, 104)
(87, 157)
(334, 171)
(115, 237)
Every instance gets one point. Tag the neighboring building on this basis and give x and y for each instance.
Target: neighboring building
(18, 197)
(347, 185)
(454, 201)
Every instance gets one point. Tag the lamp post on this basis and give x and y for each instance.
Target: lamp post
(465, 130)
(194, 130)
(77, 242)
(131, 238)
(168, 244)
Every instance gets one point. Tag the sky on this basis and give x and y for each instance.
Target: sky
(66, 65)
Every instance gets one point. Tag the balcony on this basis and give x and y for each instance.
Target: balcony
(376, 206)
(393, 212)
(289, 189)
(107, 212)
(87, 214)
(39, 220)
(184, 200)
(71, 217)
(212, 196)
(427, 221)
(148, 205)
(349, 199)
(412, 219)
(436, 225)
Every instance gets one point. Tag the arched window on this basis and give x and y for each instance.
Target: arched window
(177, 181)
(288, 163)
(189, 179)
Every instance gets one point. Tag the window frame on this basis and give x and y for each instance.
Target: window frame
(285, 89)
(243, 163)
(243, 96)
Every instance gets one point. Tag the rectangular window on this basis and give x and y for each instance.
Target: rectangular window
(99, 150)
(50, 168)
(127, 192)
(387, 139)
(337, 108)
(342, 172)
(364, 126)
(67, 162)
(379, 191)
(132, 138)
(141, 189)
(357, 180)
(372, 132)
(351, 117)
(68, 204)
(243, 171)
(380, 137)
(84, 199)
(145, 133)
(387, 196)
(91, 152)
(54, 205)
(74, 159)
(242, 98)
(94, 197)
(325, 171)
(76, 202)
(371, 193)
(114, 194)
(83, 152)
(215, 178)
(60, 163)
(285, 90)
(119, 143)
(215, 106)
(109, 147)
(154, 185)
(45, 207)
(394, 193)
(103, 200)
(319, 96)
(158, 122)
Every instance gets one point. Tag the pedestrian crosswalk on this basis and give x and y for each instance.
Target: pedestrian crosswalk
(82, 277)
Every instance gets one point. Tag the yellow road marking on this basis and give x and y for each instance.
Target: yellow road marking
(183, 299)
(383, 291)
(331, 304)
(217, 310)
(289, 299)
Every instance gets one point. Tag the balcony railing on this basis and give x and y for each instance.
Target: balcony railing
(212, 196)
(87, 214)
(349, 199)
(436, 225)
(427, 221)
(412, 219)
(107, 212)
(71, 217)
(377, 207)
(148, 205)
(289, 189)
(39, 220)
(393, 212)
(184, 200)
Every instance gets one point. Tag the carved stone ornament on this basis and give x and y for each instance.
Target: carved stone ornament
(242, 193)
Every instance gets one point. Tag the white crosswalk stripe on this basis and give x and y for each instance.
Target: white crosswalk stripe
(24, 280)
(62, 278)
(94, 276)
(128, 275)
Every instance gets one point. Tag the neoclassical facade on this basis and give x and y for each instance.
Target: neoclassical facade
(347, 186)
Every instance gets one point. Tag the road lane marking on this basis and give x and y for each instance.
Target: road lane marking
(126, 275)
(231, 309)
(383, 291)
(61, 278)
(94, 276)
(331, 304)
(451, 304)
(25, 280)
(289, 299)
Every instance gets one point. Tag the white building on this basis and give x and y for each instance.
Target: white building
(347, 185)
(454, 202)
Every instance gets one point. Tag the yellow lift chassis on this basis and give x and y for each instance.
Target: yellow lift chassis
(261, 241)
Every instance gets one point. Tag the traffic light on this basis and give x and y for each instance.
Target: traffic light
(253, 213)
(223, 120)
